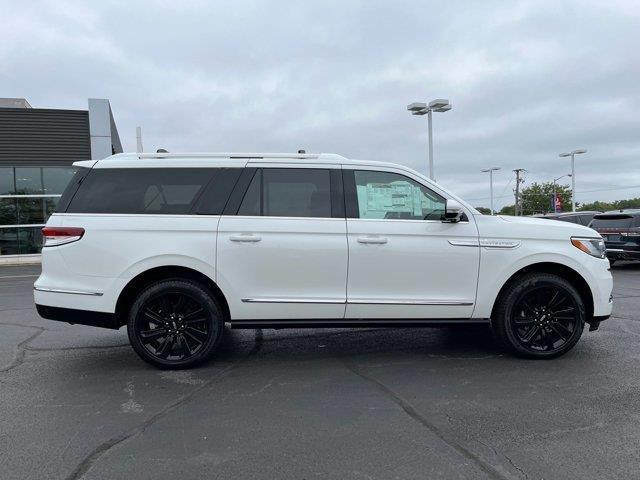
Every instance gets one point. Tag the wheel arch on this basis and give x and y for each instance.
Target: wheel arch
(558, 269)
(132, 288)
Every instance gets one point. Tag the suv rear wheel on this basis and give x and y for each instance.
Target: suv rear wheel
(175, 324)
(539, 315)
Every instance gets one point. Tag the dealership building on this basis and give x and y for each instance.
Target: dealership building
(37, 149)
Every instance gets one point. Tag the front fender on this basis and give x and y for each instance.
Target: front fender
(497, 267)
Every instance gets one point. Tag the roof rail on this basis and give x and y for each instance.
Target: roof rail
(240, 155)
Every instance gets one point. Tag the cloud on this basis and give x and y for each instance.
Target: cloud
(527, 80)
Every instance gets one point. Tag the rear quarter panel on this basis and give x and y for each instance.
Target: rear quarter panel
(116, 248)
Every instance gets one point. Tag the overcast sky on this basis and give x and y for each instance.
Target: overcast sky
(527, 80)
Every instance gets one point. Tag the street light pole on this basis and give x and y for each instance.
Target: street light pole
(573, 174)
(429, 121)
(491, 170)
(417, 108)
(555, 195)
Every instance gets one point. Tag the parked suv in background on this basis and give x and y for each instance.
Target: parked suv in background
(581, 218)
(175, 246)
(620, 230)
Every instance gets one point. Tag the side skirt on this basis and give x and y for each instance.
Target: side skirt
(359, 323)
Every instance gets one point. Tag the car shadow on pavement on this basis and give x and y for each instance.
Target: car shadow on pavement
(295, 345)
(626, 266)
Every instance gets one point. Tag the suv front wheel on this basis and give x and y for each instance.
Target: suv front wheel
(539, 315)
(175, 324)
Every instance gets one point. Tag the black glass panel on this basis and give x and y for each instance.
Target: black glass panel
(8, 211)
(30, 210)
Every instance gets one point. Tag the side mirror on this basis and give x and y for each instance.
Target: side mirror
(452, 212)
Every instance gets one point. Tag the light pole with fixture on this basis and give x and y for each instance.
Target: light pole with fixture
(437, 105)
(491, 170)
(573, 174)
(555, 195)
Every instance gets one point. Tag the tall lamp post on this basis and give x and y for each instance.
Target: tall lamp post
(554, 189)
(437, 105)
(491, 170)
(573, 174)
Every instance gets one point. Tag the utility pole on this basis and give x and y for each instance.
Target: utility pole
(517, 190)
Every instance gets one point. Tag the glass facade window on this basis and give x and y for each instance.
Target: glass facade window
(27, 197)
(55, 180)
(7, 181)
(28, 181)
(20, 241)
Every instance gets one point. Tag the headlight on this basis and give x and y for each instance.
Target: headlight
(592, 246)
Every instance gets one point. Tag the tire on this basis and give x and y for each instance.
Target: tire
(539, 315)
(175, 324)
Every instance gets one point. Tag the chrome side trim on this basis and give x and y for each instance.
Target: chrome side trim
(361, 301)
(294, 300)
(464, 242)
(497, 243)
(72, 292)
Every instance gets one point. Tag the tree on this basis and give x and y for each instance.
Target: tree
(484, 210)
(536, 198)
(615, 205)
(508, 210)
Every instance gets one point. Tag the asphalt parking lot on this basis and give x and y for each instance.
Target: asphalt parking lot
(76, 402)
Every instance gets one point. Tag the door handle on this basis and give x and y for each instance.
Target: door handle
(245, 238)
(372, 240)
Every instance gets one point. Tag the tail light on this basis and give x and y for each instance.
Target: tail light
(53, 236)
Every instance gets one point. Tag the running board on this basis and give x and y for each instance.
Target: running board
(358, 323)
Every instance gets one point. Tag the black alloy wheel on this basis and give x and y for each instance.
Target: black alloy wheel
(175, 324)
(542, 316)
(545, 318)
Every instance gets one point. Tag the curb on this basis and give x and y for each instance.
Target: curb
(7, 260)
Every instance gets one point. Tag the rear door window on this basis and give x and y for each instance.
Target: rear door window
(288, 192)
(140, 190)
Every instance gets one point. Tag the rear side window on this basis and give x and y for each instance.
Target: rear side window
(612, 221)
(216, 195)
(585, 219)
(288, 192)
(71, 189)
(140, 190)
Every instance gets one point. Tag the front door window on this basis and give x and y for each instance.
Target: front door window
(391, 196)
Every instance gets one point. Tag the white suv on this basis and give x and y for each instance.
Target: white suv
(175, 246)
